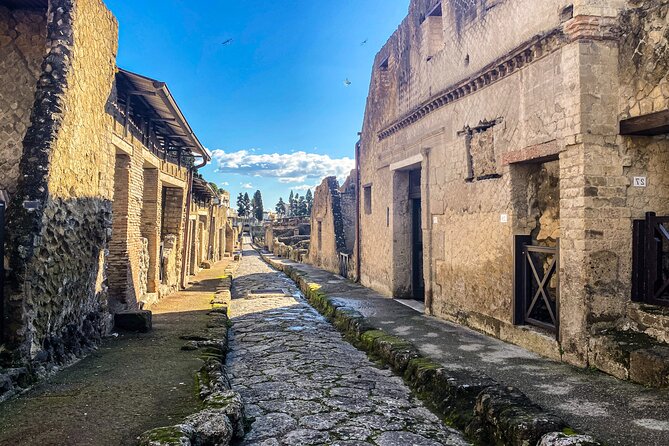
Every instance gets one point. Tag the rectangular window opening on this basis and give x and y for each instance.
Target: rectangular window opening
(436, 11)
(383, 66)
(367, 196)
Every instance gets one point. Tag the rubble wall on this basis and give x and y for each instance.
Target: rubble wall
(60, 220)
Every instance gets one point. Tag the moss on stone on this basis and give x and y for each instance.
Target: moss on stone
(569, 431)
(163, 436)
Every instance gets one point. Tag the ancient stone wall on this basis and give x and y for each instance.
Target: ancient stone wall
(327, 237)
(513, 125)
(333, 225)
(60, 220)
(22, 45)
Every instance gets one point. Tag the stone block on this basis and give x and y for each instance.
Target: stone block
(136, 321)
(650, 366)
(504, 415)
(562, 439)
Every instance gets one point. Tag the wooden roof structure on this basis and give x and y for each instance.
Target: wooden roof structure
(168, 119)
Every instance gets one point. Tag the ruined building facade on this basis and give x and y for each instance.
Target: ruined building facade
(101, 202)
(333, 227)
(510, 153)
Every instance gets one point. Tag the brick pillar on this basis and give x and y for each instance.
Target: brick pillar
(118, 246)
(596, 225)
(151, 224)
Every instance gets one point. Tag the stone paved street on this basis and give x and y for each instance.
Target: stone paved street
(303, 384)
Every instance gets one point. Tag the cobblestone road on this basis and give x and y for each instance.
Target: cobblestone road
(304, 385)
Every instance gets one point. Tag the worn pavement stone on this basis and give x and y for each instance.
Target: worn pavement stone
(304, 384)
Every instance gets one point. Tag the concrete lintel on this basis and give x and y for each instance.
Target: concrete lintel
(408, 163)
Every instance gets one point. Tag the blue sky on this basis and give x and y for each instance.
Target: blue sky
(272, 105)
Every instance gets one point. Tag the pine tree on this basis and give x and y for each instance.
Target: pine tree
(241, 209)
(294, 210)
(247, 205)
(301, 207)
(258, 208)
(291, 204)
(310, 201)
(280, 208)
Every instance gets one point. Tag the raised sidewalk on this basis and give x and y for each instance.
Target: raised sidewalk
(613, 411)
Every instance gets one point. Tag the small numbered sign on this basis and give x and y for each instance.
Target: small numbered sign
(504, 218)
(639, 182)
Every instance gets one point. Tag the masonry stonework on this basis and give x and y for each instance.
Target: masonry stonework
(60, 218)
(514, 131)
(100, 187)
(22, 44)
(333, 226)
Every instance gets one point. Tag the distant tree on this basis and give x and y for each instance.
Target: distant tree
(247, 205)
(258, 208)
(291, 204)
(241, 205)
(215, 188)
(301, 207)
(309, 198)
(280, 208)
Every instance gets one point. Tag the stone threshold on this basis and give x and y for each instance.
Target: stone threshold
(488, 412)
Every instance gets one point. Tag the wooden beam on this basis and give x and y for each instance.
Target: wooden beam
(141, 93)
(646, 125)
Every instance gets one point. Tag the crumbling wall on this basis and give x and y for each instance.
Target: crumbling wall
(327, 236)
(644, 58)
(60, 220)
(22, 45)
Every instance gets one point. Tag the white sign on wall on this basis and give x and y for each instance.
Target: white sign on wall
(504, 218)
(639, 182)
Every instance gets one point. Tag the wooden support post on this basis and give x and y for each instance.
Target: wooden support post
(127, 116)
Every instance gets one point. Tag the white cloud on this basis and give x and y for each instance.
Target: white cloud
(225, 183)
(292, 180)
(294, 167)
(247, 186)
(304, 187)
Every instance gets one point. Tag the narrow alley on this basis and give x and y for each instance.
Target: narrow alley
(303, 384)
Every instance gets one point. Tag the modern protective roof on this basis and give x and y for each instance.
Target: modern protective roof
(172, 121)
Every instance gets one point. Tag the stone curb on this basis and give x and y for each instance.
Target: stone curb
(222, 419)
(488, 413)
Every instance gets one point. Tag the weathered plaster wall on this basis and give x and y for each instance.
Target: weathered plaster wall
(22, 45)
(60, 219)
(524, 82)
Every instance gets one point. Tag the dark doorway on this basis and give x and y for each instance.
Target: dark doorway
(417, 281)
